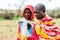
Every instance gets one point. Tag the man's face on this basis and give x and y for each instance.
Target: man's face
(38, 13)
(27, 14)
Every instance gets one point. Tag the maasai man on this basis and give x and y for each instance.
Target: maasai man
(46, 27)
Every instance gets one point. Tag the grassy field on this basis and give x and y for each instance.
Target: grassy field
(57, 21)
(8, 29)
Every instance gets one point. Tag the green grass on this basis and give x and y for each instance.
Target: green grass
(8, 29)
(57, 21)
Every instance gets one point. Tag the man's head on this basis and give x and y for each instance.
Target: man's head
(39, 11)
(28, 12)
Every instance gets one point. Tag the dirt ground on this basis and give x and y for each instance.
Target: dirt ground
(8, 30)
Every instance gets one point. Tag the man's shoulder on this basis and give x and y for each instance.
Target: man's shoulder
(47, 19)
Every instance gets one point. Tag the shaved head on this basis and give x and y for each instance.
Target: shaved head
(40, 7)
(39, 11)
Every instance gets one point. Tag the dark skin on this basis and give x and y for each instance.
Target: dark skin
(27, 14)
(39, 12)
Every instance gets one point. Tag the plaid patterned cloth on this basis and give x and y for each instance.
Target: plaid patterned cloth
(47, 29)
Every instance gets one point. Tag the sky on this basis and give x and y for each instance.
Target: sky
(16, 4)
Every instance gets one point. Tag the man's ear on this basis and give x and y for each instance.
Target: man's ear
(43, 10)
